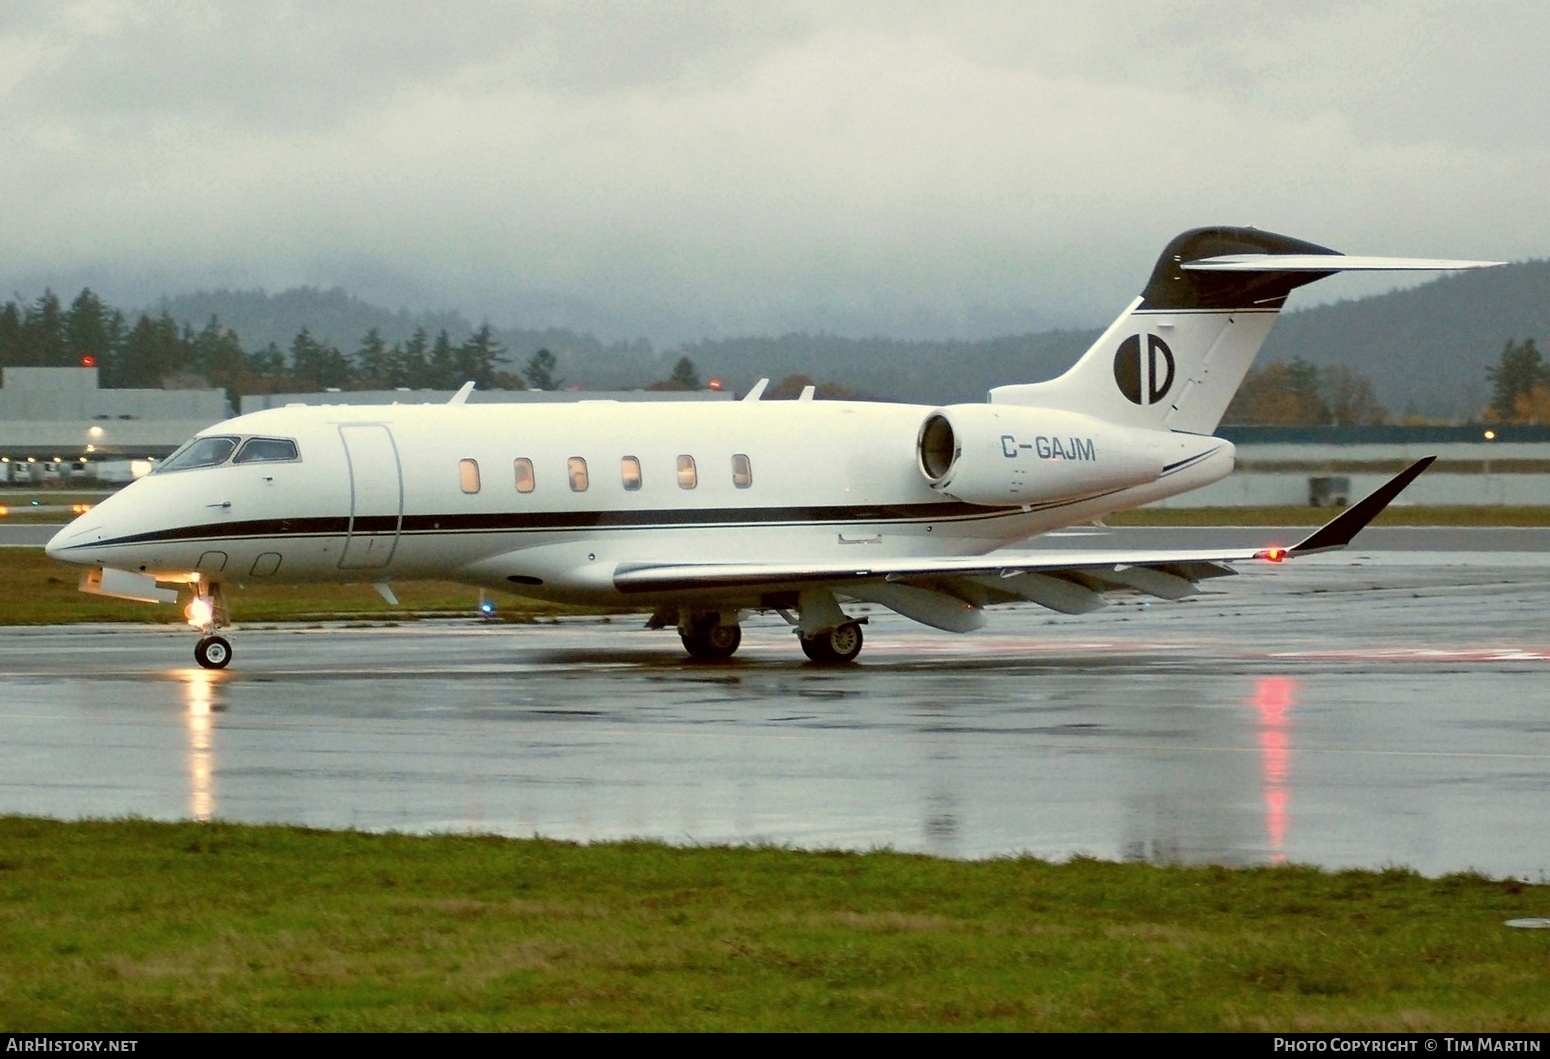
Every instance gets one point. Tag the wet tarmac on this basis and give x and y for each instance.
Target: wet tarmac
(26, 535)
(1368, 708)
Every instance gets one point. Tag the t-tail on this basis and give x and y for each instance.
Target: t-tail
(1176, 356)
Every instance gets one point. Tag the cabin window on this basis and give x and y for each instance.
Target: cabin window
(578, 474)
(267, 450)
(629, 472)
(524, 469)
(201, 452)
(688, 478)
(742, 471)
(468, 475)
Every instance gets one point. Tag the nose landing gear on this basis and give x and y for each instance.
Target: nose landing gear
(207, 613)
(213, 652)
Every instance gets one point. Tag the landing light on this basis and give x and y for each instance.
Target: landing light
(4, 511)
(1490, 435)
(198, 612)
(486, 607)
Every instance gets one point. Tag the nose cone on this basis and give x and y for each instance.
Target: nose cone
(54, 549)
(73, 541)
(59, 545)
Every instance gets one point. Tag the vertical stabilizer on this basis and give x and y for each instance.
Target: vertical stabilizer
(1176, 356)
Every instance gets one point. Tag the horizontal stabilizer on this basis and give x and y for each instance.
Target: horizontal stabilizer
(1327, 263)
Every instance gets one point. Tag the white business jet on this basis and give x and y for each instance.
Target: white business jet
(704, 512)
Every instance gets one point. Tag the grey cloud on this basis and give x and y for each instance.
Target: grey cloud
(677, 169)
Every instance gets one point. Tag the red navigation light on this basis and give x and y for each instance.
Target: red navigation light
(1274, 555)
(714, 384)
(88, 361)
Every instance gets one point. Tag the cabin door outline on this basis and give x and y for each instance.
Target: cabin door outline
(376, 496)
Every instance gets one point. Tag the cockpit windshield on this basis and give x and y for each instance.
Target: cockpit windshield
(267, 450)
(201, 452)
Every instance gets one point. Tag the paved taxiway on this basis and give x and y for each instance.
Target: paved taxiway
(1367, 708)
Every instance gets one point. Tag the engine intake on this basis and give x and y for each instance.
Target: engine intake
(1003, 455)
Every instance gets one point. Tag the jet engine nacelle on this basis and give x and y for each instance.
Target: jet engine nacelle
(1002, 454)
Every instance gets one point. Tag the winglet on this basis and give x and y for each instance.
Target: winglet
(461, 397)
(1340, 530)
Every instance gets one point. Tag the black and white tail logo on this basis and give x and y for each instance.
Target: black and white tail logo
(1151, 383)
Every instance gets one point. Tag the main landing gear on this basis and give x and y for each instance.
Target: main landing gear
(708, 637)
(835, 647)
(829, 637)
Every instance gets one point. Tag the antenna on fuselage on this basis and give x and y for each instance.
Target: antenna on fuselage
(757, 391)
(461, 397)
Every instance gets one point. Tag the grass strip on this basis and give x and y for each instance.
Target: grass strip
(1317, 516)
(37, 590)
(135, 925)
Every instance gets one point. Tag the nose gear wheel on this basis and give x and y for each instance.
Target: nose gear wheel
(213, 652)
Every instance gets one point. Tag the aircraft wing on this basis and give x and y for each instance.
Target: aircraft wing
(948, 592)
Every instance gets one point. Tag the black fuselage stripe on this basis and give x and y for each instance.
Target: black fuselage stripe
(542, 521)
(505, 522)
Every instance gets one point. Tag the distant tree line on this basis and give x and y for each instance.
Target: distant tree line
(155, 352)
(1303, 394)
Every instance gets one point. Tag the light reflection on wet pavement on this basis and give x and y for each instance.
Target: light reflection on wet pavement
(1360, 709)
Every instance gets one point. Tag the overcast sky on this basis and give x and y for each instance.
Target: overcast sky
(673, 170)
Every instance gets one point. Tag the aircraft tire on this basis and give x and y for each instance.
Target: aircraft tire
(712, 642)
(213, 652)
(836, 647)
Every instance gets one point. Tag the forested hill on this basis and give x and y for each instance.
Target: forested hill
(1428, 346)
(928, 372)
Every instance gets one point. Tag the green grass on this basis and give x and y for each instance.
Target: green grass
(1317, 516)
(134, 925)
(37, 590)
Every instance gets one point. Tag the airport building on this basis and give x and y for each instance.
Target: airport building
(58, 423)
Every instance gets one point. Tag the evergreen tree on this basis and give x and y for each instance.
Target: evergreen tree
(93, 331)
(685, 374)
(266, 371)
(218, 356)
(477, 357)
(409, 364)
(1515, 375)
(374, 361)
(317, 366)
(441, 373)
(152, 351)
(45, 343)
(540, 371)
(10, 334)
